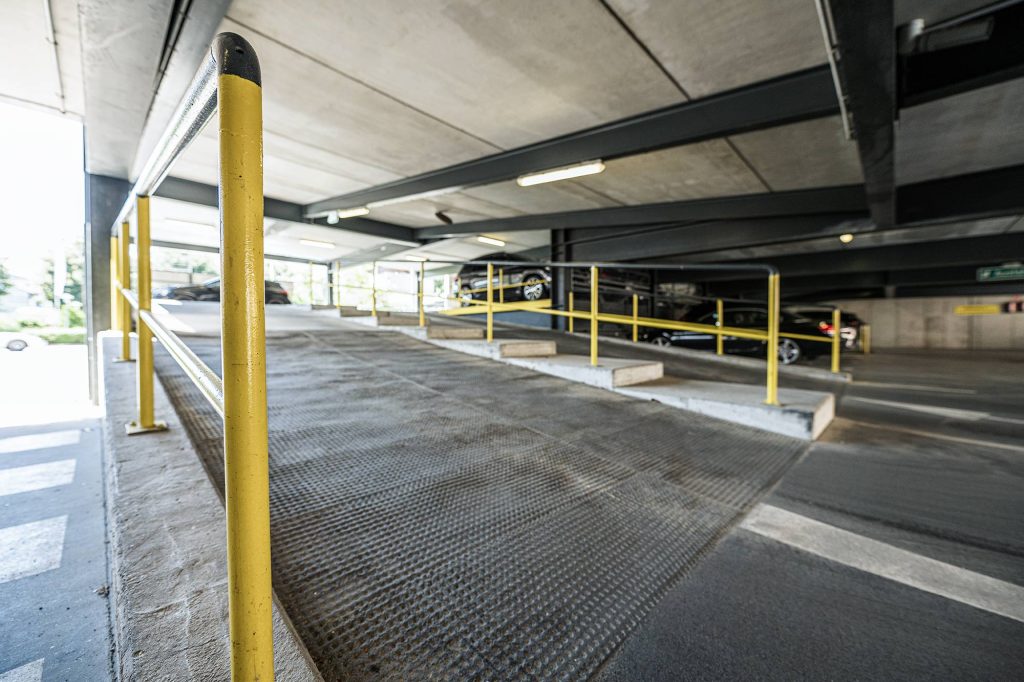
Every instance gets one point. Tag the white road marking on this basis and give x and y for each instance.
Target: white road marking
(31, 548)
(879, 558)
(916, 387)
(38, 441)
(951, 412)
(30, 672)
(952, 439)
(36, 477)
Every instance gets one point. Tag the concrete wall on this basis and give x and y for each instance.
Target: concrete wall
(931, 323)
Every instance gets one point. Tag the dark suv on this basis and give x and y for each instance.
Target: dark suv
(472, 279)
(749, 316)
(821, 315)
(210, 291)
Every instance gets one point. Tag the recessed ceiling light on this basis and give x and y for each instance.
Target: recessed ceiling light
(318, 244)
(555, 174)
(490, 240)
(846, 238)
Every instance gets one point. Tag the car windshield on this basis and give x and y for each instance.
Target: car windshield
(212, 283)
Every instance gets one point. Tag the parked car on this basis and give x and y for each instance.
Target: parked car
(210, 291)
(748, 317)
(821, 315)
(535, 280)
(19, 341)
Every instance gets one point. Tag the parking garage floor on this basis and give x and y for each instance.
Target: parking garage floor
(437, 515)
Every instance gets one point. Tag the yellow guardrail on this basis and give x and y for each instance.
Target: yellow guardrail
(229, 80)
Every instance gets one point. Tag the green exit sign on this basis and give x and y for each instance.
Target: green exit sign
(998, 273)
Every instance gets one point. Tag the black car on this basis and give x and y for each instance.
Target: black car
(821, 315)
(750, 317)
(472, 279)
(210, 291)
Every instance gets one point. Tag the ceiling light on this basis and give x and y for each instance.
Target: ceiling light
(415, 259)
(490, 240)
(575, 171)
(846, 238)
(318, 244)
(334, 216)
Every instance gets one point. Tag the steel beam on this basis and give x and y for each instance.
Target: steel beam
(844, 199)
(986, 194)
(795, 97)
(216, 249)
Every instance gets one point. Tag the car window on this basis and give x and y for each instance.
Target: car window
(212, 283)
(746, 317)
(708, 318)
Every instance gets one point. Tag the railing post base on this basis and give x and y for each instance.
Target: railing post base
(133, 428)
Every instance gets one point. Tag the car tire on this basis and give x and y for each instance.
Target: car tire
(789, 351)
(17, 345)
(661, 340)
(534, 292)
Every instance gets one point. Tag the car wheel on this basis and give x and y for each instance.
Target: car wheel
(789, 351)
(533, 292)
(17, 345)
(661, 340)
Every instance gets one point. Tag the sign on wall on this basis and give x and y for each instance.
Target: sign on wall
(1001, 273)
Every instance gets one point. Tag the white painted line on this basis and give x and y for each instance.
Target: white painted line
(38, 441)
(31, 548)
(916, 387)
(951, 412)
(36, 477)
(952, 439)
(30, 672)
(879, 558)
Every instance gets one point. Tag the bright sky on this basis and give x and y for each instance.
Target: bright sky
(41, 186)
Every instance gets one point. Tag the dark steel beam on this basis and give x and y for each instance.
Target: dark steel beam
(216, 249)
(866, 38)
(844, 199)
(986, 194)
(276, 209)
(796, 97)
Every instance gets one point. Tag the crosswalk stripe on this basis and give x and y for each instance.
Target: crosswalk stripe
(30, 672)
(31, 548)
(36, 476)
(38, 441)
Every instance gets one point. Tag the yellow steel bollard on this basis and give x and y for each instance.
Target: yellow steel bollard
(124, 273)
(593, 315)
(423, 317)
(145, 422)
(636, 313)
(490, 302)
(719, 322)
(836, 339)
(501, 285)
(243, 334)
(373, 291)
(115, 309)
(571, 318)
(773, 340)
(865, 339)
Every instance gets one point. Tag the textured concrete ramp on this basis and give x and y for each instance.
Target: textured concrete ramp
(441, 516)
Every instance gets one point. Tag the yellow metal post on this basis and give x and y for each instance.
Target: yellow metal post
(501, 285)
(115, 309)
(423, 317)
(836, 339)
(636, 314)
(125, 274)
(373, 292)
(243, 334)
(571, 318)
(773, 340)
(145, 422)
(865, 339)
(719, 322)
(490, 302)
(593, 315)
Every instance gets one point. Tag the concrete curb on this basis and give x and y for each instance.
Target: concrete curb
(168, 563)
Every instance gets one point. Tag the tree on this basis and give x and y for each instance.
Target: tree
(5, 280)
(75, 270)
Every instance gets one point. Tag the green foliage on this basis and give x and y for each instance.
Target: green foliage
(75, 315)
(5, 280)
(62, 335)
(74, 257)
(8, 324)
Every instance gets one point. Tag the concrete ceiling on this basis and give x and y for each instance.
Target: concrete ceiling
(30, 75)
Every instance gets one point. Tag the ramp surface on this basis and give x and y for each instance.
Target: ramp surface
(441, 516)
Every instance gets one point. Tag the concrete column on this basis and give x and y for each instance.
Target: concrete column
(104, 197)
(561, 279)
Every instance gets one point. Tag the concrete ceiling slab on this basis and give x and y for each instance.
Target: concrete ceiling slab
(551, 198)
(69, 51)
(694, 171)
(974, 131)
(30, 75)
(713, 45)
(509, 73)
(801, 155)
(458, 206)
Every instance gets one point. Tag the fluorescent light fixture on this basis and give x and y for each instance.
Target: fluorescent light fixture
(318, 244)
(846, 238)
(490, 240)
(334, 216)
(555, 174)
(415, 259)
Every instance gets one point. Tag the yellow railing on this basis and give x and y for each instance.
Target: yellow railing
(229, 80)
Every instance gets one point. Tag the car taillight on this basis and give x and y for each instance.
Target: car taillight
(826, 328)
(284, 291)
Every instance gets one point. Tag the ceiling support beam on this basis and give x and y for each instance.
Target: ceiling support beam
(797, 97)
(275, 209)
(986, 194)
(842, 199)
(216, 249)
(866, 38)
